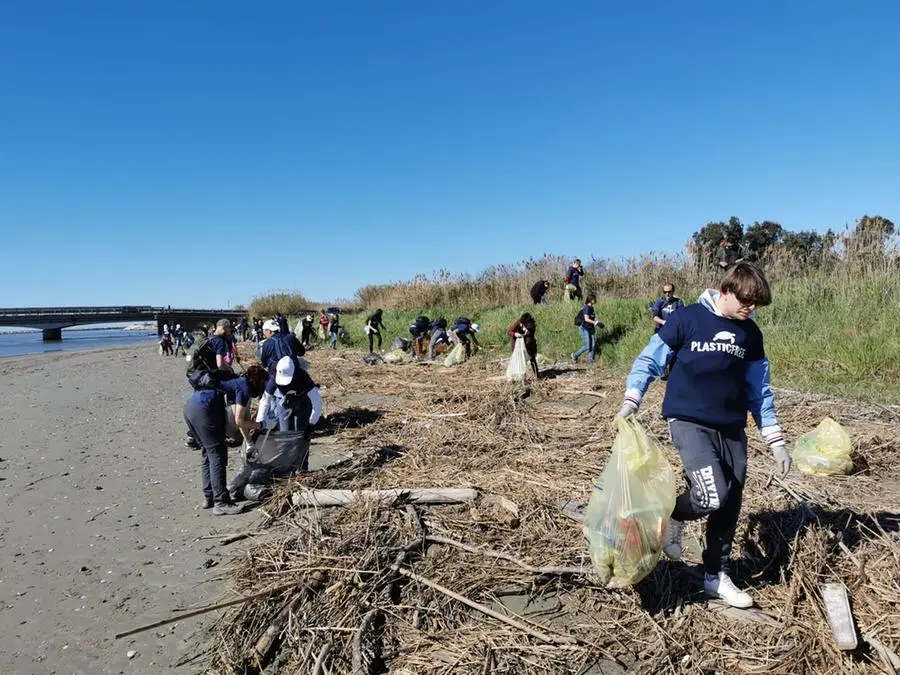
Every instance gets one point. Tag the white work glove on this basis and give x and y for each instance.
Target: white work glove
(518, 335)
(782, 460)
(627, 410)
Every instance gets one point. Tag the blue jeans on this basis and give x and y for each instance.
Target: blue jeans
(334, 340)
(587, 338)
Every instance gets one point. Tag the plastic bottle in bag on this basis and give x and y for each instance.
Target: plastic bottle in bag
(824, 451)
(628, 512)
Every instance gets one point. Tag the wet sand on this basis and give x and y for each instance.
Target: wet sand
(101, 523)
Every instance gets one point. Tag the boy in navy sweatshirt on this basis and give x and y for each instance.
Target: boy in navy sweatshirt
(720, 372)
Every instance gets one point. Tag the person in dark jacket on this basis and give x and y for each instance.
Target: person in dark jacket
(334, 327)
(728, 255)
(374, 326)
(524, 328)
(539, 292)
(206, 418)
(419, 331)
(587, 329)
(573, 280)
(277, 345)
(439, 336)
(463, 332)
(720, 373)
(664, 306)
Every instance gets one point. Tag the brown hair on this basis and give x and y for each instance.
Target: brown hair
(256, 377)
(748, 284)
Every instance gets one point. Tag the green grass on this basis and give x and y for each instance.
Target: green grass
(823, 333)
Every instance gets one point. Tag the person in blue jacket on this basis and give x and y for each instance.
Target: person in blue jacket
(664, 306)
(463, 332)
(205, 415)
(720, 373)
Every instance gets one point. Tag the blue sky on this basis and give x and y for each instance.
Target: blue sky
(201, 153)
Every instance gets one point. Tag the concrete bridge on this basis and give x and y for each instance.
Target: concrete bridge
(51, 320)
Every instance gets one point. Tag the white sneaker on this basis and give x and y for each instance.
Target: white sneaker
(672, 539)
(722, 587)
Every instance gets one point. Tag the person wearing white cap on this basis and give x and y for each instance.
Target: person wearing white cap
(291, 401)
(277, 345)
(463, 331)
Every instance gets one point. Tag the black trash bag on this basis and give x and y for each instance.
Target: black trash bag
(276, 454)
(372, 359)
(401, 343)
(260, 476)
(237, 484)
(255, 492)
(283, 453)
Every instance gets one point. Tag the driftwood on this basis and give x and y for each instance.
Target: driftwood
(307, 497)
(359, 663)
(206, 610)
(840, 619)
(562, 571)
(540, 635)
(888, 656)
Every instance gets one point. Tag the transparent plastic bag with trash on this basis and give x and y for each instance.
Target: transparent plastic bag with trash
(628, 511)
(456, 356)
(395, 356)
(824, 451)
(515, 371)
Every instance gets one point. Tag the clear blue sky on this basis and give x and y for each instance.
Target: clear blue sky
(201, 153)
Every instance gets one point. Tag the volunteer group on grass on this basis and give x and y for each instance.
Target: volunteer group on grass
(711, 353)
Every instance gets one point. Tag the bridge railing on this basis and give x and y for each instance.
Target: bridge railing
(13, 312)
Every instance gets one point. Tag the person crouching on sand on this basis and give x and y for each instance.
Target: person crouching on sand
(205, 415)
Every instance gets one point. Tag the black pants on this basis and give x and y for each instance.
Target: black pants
(372, 335)
(204, 414)
(715, 465)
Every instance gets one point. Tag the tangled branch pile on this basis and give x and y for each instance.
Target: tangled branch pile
(503, 584)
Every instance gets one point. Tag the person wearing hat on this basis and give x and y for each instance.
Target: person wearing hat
(463, 332)
(206, 417)
(306, 411)
(278, 344)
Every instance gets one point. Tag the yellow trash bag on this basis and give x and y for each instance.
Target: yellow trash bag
(627, 515)
(824, 451)
(456, 356)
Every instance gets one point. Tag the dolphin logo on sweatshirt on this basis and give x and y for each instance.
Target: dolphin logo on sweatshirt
(723, 342)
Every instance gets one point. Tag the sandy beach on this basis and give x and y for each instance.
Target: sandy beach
(101, 526)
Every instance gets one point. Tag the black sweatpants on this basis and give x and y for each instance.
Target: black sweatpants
(372, 335)
(204, 414)
(715, 465)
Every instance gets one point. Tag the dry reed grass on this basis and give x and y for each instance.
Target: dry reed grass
(352, 612)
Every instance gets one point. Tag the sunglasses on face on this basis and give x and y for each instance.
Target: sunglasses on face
(668, 292)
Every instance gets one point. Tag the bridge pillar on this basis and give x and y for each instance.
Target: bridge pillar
(52, 334)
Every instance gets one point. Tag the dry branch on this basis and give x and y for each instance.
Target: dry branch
(546, 569)
(540, 635)
(305, 497)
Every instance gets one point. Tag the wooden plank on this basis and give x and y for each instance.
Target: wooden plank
(840, 619)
